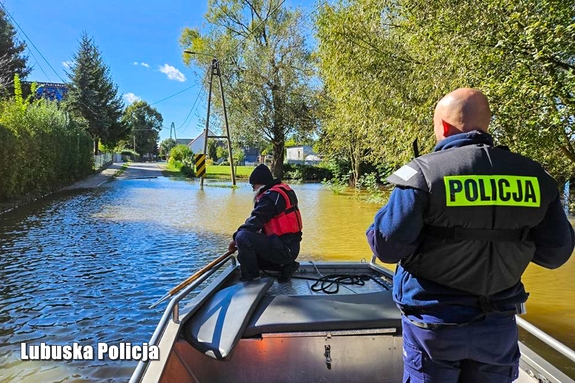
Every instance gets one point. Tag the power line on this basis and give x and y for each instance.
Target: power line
(40, 66)
(173, 95)
(192, 108)
(32, 43)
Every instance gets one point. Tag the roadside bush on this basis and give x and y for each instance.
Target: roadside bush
(306, 172)
(188, 171)
(181, 153)
(41, 148)
(129, 154)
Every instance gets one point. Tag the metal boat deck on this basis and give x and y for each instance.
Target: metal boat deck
(307, 330)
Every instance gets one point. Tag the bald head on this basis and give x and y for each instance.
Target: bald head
(462, 110)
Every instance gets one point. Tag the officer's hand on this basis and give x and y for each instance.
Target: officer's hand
(232, 246)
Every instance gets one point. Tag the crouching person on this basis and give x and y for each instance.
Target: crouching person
(270, 238)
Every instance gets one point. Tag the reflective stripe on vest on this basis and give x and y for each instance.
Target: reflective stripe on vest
(502, 190)
(287, 222)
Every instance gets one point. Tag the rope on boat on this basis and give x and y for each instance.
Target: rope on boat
(330, 284)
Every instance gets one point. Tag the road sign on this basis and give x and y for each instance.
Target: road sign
(200, 165)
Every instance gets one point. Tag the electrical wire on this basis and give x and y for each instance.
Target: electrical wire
(31, 43)
(191, 109)
(173, 95)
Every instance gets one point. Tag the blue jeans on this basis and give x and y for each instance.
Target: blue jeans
(258, 251)
(481, 352)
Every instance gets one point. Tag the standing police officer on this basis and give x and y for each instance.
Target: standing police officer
(463, 223)
(270, 238)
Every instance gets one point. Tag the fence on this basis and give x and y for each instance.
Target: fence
(101, 160)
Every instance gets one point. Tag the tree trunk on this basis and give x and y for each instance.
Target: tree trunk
(278, 159)
(96, 150)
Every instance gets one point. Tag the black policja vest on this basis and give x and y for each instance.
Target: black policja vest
(476, 187)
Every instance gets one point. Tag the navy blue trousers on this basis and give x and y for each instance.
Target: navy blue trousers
(480, 352)
(257, 251)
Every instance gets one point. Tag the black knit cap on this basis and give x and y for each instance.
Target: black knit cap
(261, 175)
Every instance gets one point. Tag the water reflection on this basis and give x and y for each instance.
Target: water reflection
(84, 267)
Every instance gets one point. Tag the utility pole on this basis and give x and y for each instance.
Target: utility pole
(215, 70)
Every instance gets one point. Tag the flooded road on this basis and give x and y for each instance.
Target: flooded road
(84, 266)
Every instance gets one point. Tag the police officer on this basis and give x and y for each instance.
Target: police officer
(463, 223)
(270, 238)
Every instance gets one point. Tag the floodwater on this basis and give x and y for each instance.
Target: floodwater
(83, 267)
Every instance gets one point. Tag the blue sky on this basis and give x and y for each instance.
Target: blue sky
(138, 40)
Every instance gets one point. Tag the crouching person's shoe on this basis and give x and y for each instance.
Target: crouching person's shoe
(287, 271)
(250, 279)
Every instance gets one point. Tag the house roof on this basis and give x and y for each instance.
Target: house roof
(201, 135)
(183, 141)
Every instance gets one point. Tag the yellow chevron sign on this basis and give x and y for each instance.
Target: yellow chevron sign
(200, 165)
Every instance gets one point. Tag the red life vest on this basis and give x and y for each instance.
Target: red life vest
(288, 221)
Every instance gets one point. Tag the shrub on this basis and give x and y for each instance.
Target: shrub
(306, 172)
(181, 153)
(41, 148)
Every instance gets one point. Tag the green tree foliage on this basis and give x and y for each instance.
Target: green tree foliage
(12, 58)
(267, 67)
(93, 96)
(42, 149)
(166, 146)
(144, 124)
(212, 149)
(222, 152)
(181, 153)
(387, 62)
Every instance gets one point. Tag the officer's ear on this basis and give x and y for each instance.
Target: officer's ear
(447, 128)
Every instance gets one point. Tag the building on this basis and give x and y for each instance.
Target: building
(183, 141)
(197, 144)
(251, 155)
(302, 154)
(48, 90)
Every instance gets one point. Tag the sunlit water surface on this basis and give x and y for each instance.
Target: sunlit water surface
(84, 267)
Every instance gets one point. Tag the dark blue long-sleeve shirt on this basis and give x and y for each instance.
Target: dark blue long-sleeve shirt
(270, 204)
(396, 232)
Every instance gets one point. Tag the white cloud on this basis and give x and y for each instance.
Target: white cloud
(130, 98)
(67, 64)
(172, 73)
(142, 64)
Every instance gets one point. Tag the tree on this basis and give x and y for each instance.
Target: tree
(12, 59)
(367, 72)
(166, 146)
(93, 96)
(145, 124)
(181, 153)
(222, 152)
(267, 67)
(212, 149)
(413, 52)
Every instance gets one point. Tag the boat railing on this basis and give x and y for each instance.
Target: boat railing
(173, 311)
(547, 339)
(174, 304)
